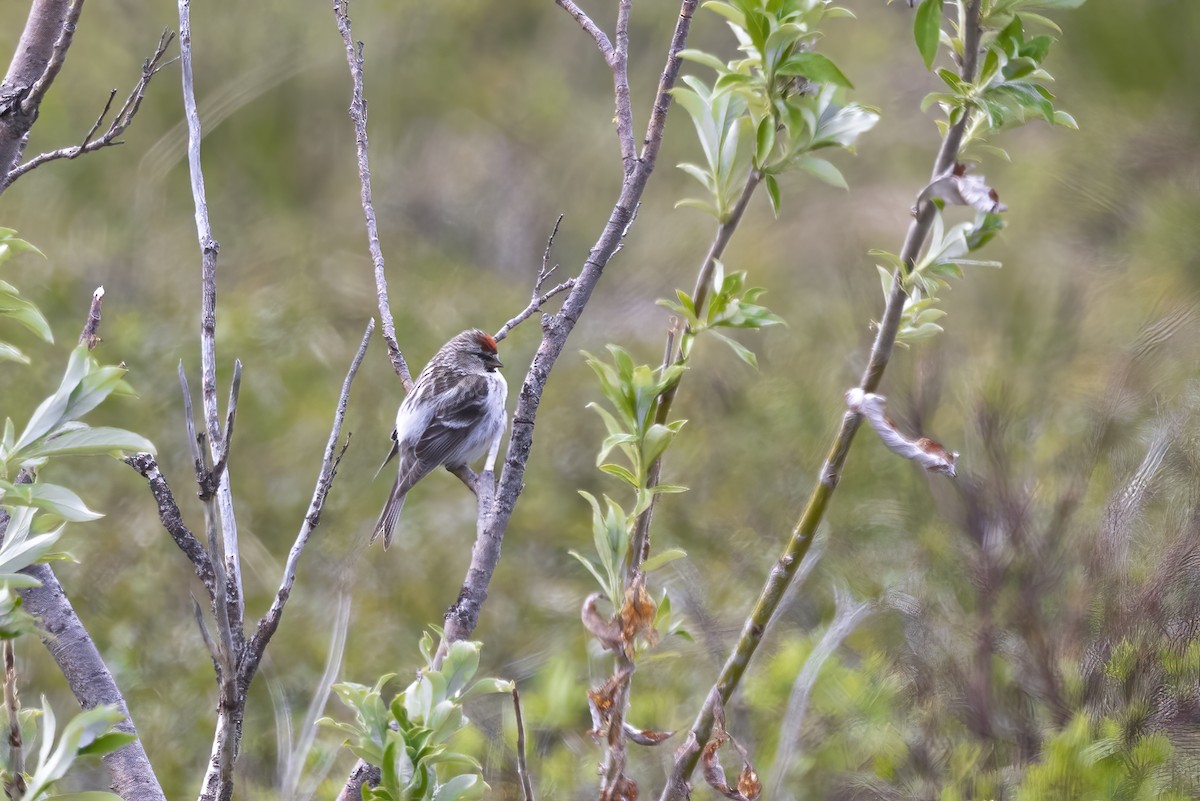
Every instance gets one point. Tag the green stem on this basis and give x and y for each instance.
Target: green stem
(785, 567)
(639, 546)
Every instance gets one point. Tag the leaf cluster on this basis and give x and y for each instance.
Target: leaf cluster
(780, 98)
(1011, 85)
(407, 738)
(946, 254)
(90, 733)
(730, 304)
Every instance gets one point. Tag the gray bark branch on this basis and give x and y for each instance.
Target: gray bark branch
(35, 62)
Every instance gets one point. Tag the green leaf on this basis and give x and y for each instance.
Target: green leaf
(467, 787)
(108, 743)
(591, 567)
(927, 27)
(707, 59)
(88, 441)
(743, 353)
(815, 67)
(662, 558)
(620, 472)
(10, 353)
(822, 170)
(764, 141)
(53, 409)
(462, 660)
(52, 498)
(488, 687)
(25, 313)
(773, 193)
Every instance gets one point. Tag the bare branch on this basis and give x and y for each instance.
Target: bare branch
(496, 502)
(494, 516)
(119, 124)
(591, 28)
(801, 539)
(90, 335)
(534, 304)
(620, 69)
(209, 248)
(358, 114)
(58, 55)
(235, 388)
(80, 662)
(312, 519)
(172, 520)
(536, 301)
(522, 768)
(617, 58)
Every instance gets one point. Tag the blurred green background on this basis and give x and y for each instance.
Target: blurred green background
(486, 121)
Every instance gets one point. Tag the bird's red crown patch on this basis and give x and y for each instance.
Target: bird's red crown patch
(487, 342)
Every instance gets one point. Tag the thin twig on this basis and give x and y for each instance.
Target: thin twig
(802, 536)
(172, 520)
(639, 545)
(14, 785)
(90, 335)
(358, 114)
(591, 28)
(536, 300)
(616, 56)
(312, 518)
(522, 767)
(534, 304)
(235, 387)
(120, 123)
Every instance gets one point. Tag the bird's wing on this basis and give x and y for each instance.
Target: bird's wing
(452, 420)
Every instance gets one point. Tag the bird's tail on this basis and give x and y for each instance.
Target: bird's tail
(390, 514)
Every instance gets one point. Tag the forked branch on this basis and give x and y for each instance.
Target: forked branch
(116, 127)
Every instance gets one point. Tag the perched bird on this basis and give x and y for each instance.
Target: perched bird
(454, 413)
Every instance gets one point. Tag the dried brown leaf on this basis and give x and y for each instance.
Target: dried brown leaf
(749, 786)
(637, 616)
(646, 736)
(931, 455)
(603, 629)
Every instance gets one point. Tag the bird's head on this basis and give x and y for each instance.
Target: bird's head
(478, 349)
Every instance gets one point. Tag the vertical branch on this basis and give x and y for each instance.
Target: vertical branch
(522, 767)
(497, 501)
(463, 615)
(805, 530)
(358, 114)
(91, 682)
(209, 248)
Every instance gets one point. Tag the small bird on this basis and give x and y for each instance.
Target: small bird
(454, 413)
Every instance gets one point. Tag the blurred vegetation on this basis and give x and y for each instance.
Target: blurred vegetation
(1038, 612)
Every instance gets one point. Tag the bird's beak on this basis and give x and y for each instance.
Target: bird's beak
(492, 361)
